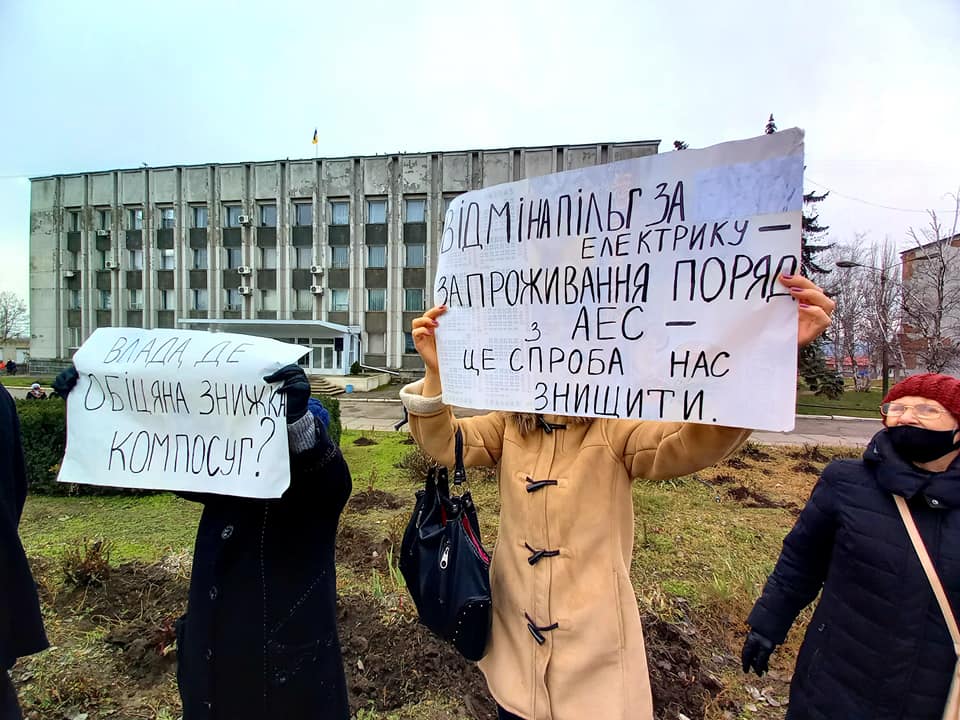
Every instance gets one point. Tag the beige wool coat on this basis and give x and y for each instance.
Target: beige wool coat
(567, 643)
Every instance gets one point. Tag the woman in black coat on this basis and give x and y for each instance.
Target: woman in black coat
(21, 627)
(259, 640)
(877, 647)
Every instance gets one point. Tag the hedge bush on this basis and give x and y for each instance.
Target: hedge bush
(43, 430)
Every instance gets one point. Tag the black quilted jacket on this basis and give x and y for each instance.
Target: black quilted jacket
(877, 647)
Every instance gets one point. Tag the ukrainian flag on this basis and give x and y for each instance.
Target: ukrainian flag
(314, 136)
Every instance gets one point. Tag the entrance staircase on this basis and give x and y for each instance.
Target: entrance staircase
(319, 385)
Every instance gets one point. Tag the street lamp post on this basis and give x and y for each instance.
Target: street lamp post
(884, 361)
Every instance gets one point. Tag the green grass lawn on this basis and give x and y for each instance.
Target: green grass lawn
(852, 403)
(700, 554)
(26, 380)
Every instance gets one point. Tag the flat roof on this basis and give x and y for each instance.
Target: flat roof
(655, 143)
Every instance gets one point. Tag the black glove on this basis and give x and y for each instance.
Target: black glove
(296, 387)
(65, 382)
(756, 653)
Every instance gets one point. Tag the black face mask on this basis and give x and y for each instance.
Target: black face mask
(917, 444)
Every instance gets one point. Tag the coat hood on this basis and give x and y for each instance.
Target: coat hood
(900, 477)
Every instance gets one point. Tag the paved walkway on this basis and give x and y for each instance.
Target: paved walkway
(382, 413)
(381, 410)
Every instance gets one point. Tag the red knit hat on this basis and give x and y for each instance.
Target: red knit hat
(942, 388)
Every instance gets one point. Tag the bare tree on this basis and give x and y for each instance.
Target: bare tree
(931, 293)
(13, 316)
(847, 288)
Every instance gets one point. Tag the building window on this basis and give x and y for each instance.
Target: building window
(199, 216)
(408, 347)
(339, 300)
(376, 212)
(416, 211)
(135, 257)
(135, 219)
(167, 300)
(234, 256)
(376, 343)
(268, 216)
(168, 218)
(168, 259)
(105, 300)
(231, 215)
(268, 258)
(73, 220)
(303, 300)
(234, 300)
(376, 256)
(413, 299)
(102, 257)
(135, 300)
(198, 299)
(339, 256)
(446, 203)
(303, 214)
(303, 257)
(104, 219)
(73, 299)
(268, 299)
(339, 212)
(414, 255)
(199, 259)
(376, 299)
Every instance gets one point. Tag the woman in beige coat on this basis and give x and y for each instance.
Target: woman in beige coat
(566, 642)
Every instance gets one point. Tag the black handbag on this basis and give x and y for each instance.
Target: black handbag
(443, 562)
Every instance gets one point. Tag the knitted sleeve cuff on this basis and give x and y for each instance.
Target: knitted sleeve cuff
(416, 404)
(302, 434)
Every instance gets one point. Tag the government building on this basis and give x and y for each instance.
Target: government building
(337, 254)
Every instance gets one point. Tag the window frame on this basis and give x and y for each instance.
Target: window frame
(338, 292)
(373, 251)
(262, 208)
(334, 204)
(306, 205)
(418, 306)
(381, 204)
(370, 292)
(422, 202)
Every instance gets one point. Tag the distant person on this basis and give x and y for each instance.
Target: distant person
(259, 640)
(36, 392)
(11, 367)
(878, 645)
(21, 627)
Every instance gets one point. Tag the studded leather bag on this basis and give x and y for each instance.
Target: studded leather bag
(444, 564)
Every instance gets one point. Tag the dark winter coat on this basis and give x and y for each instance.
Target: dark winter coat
(877, 647)
(21, 628)
(259, 640)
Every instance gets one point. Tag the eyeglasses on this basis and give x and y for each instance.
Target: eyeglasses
(921, 412)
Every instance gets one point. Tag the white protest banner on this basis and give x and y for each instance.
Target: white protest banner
(645, 288)
(179, 410)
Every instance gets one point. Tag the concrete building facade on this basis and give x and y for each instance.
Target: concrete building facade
(335, 253)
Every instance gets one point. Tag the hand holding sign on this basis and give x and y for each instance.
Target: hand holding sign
(644, 289)
(182, 410)
(295, 387)
(815, 307)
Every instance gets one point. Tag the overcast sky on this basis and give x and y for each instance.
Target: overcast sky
(101, 84)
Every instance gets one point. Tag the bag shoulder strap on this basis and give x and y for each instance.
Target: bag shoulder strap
(929, 569)
(459, 473)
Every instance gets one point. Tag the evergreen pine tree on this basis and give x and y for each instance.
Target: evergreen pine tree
(811, 360)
